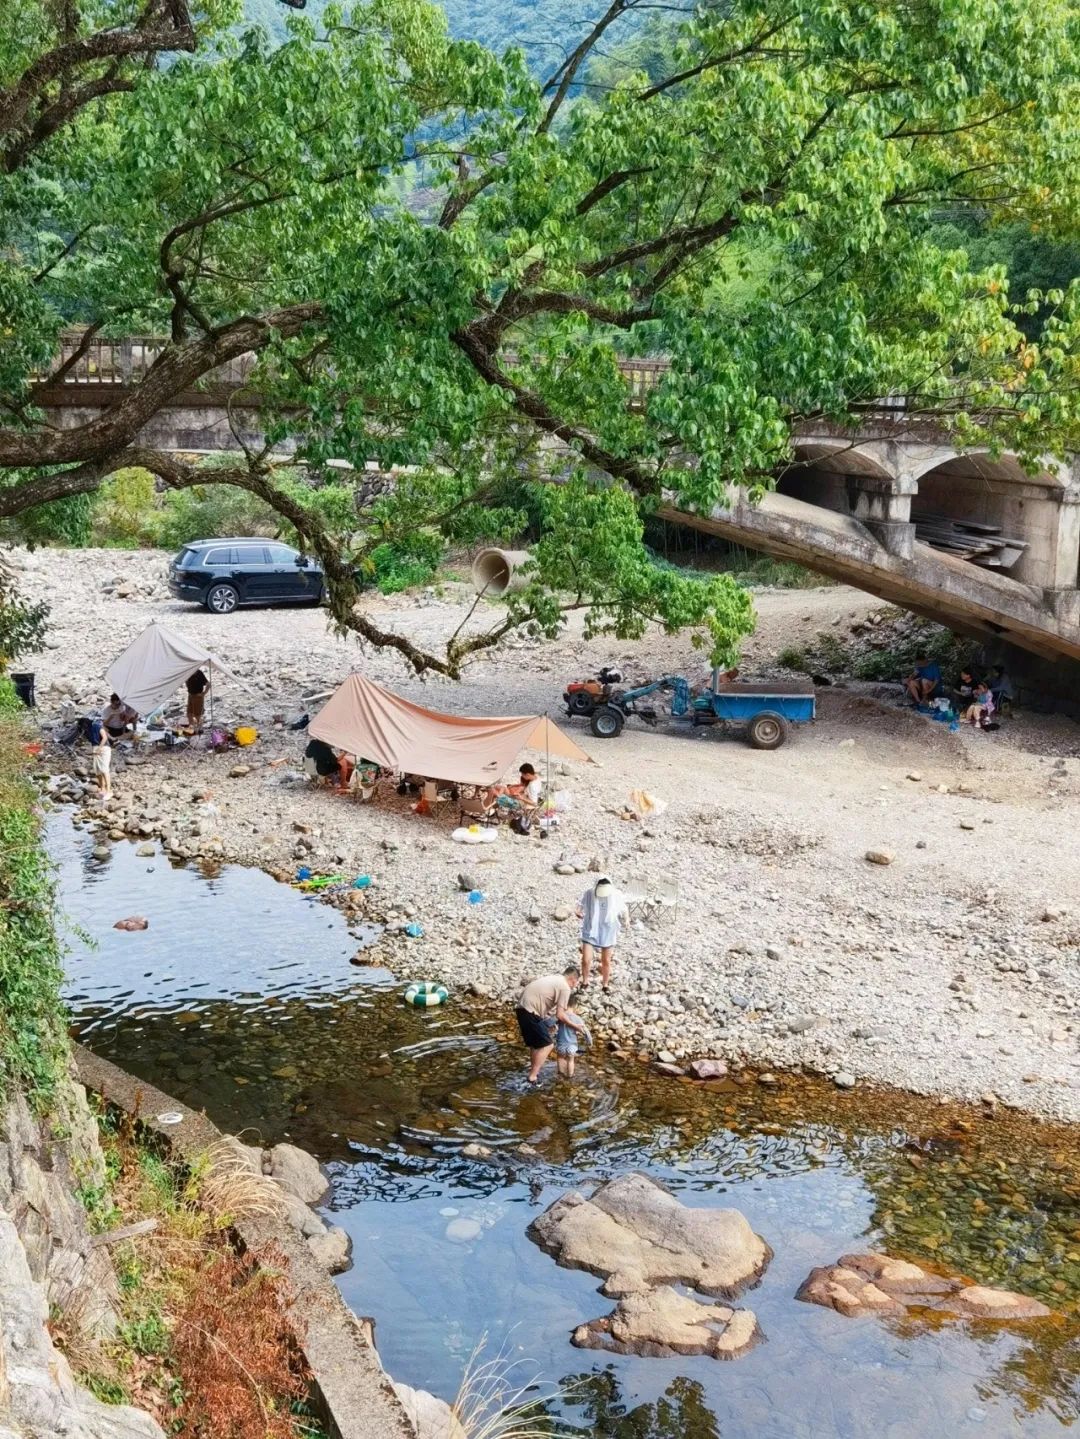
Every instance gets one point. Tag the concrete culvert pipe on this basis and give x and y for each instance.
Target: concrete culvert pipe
(494, 572)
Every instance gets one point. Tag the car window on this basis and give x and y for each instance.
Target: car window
(282, 555)
(250, 555)
(220, 557)
(185, 559)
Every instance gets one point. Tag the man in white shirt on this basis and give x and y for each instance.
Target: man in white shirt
(528, 789)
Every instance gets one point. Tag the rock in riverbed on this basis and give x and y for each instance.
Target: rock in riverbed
(430, 1418)
(707, 1069)
(635, 1234)
(297, 1172)
(661, 1324)
(875, 1284)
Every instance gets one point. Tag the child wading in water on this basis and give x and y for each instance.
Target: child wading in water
(566, 1045)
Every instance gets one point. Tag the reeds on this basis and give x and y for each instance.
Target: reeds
(228, 1188)
(497, 1401)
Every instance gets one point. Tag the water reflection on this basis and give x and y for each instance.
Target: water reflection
(240, 998)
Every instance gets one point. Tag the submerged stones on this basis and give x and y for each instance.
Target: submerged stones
(662, 1323)
(634, 1233)
(133, 923)
(860, 1284)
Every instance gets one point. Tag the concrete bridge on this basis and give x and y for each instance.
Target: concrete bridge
(844, 507)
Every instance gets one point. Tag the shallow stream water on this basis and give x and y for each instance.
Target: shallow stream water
(239, 998)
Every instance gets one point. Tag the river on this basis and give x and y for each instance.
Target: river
(239, 998)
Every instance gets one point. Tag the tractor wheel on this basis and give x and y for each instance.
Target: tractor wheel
(767, 730)
(607, 722)
(580, 702)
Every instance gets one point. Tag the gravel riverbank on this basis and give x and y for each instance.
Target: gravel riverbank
(950, 970)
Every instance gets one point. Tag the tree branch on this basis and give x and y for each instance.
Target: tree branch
(564, 75)
(74, 55)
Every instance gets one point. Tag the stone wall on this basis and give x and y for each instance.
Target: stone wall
(51, 1266)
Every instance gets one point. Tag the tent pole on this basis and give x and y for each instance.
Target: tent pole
(547, 741)
(211, 702)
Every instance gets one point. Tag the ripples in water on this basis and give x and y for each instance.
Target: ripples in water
(240, 999)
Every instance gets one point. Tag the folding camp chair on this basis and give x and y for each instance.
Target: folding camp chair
(653, 900)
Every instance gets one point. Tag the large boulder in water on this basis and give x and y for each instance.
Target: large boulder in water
(636, 1235)
(298, 1172)
(662, 1324)
(875, 1284)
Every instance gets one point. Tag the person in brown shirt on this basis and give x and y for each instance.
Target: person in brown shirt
(544, 1003)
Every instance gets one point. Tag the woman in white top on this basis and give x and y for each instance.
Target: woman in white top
(602, 911)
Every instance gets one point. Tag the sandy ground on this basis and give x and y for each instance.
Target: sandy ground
(953, 970)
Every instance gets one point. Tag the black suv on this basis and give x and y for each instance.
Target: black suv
(222, 574)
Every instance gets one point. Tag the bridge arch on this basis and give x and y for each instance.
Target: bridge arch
(998, 491)
(830, 474)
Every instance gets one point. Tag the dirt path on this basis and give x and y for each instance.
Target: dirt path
(951, 970)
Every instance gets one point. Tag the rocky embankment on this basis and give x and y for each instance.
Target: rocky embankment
(52, 1270)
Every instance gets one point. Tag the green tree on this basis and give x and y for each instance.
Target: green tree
(758, 205)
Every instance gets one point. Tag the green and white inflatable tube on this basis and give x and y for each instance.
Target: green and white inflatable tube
(426, 995)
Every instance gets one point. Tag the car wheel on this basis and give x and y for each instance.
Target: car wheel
(607, 722)
(767, 730)
(222, 599)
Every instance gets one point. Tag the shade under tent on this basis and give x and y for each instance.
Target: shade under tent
(156, 664)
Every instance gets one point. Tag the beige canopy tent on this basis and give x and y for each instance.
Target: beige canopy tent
(155, 665)
(372, 723)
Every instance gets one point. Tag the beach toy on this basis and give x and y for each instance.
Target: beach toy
(426, 995)
(245, 735)
(362, 881)
(475, 896)
(414, 930)
(303, 873)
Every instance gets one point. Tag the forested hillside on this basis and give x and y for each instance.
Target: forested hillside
(542, 28)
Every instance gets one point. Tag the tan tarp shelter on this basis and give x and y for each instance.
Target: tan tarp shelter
(155, 665)
(365, 720)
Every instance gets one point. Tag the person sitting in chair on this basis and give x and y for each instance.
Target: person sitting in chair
(1001, 688)
(118, 717)
(527, 791)
(320, 762)
(924, 683)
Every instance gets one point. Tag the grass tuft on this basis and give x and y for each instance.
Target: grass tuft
(498, 1401)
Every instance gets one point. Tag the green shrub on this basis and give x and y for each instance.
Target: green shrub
(767, 573)
(62, 522)
(792, 658)
(952, 652)
(206, 511)
(406, 564)
(33, 1035)
(22, 624)
(126, 512)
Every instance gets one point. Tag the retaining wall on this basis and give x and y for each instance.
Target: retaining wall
(355, 1395)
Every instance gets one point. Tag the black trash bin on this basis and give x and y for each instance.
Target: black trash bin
(24, 688)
